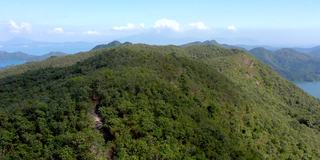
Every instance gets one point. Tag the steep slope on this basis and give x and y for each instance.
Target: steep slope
(293, 65)
(196, 102)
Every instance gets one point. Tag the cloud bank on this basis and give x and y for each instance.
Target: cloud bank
(129, 27)
(169, 24)
(232, 28)
(198, 26)
(58, 30)
(22, 27)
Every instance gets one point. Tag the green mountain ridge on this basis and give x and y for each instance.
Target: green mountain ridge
(291, 64)
(212, 42)
(155, 102)
(15, 56)
(109, 45)
(314, 51)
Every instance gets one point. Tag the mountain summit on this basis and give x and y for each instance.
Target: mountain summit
(111, 44)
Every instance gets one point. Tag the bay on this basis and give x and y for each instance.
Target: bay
(10, 63)
(313, 88)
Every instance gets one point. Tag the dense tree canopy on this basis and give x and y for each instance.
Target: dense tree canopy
(195, 102)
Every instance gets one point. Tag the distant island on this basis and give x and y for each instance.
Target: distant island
(15, 58)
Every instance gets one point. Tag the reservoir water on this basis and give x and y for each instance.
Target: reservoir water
(313, 88)
(10, 63)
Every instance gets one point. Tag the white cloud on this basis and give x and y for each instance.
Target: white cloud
(58, 30)
(165, 23)
(19, 27)
(232, 28)
(92, 33)
(129, 27)
(199, 26)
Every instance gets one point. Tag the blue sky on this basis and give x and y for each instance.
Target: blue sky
(270, 22)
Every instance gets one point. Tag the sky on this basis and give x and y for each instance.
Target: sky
(268, 22)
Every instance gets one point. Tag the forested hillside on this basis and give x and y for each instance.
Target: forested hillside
(155, 102)
(55, 61)
(291, 64)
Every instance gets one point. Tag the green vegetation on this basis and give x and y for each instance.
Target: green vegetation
(293, 65)
(195, 102)
(212, 42)
(109, 45)
(51, 62)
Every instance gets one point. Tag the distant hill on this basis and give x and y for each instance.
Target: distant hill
(14, 58)
(211, 42)
(51, 54)
(249, 47)
(109, 45)
(314, 51)
(7, 59)
(208, 42)
(53, 62)
(291, 64)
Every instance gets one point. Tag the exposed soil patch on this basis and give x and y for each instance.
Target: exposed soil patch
(99, 120)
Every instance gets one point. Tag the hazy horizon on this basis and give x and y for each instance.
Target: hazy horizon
(286, 23)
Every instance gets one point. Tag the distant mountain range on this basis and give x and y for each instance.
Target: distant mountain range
(111, 44)
(314, 51)
(295, 64)
(212, 42)
(14, 58)
(291, 64)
